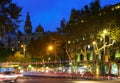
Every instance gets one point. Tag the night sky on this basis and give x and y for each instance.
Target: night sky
(49, 13)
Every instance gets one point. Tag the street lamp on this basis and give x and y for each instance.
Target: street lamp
(24, 49)
(50, 48)
(104, 33)
(104, 45)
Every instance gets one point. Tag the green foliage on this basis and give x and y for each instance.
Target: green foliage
(16, 57)
(38, 49)
(87, 25)
(4, 53)
(92, 20)
(9, 15)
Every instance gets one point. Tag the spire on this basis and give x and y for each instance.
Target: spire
(28, 25)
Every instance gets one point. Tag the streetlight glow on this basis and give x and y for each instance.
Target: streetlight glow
(94, 43)
(104, 42)
(105, 31)
(24, 50)
(50, 47)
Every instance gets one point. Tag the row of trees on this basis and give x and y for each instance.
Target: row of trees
(72, 37)
(88, 25)
(9, 16)
(84, 27)
(9, 21)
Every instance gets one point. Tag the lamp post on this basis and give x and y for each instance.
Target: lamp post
(53, 49)
(50, 48)
(104, 44)
(24, 51)
(104, 32)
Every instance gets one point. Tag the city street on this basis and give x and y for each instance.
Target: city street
(60, 41)
(58, 80)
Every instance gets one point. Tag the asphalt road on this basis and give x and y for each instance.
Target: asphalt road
(58, 80)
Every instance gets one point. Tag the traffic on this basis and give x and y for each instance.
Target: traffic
(8, 74)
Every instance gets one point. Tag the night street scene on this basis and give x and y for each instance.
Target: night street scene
(59, 41)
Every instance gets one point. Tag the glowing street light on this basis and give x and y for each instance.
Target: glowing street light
(50, 48)
(53, 49)
(104, 43)
(94, 43)
(24, 49)
(104, 32)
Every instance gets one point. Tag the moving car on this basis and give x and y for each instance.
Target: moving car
(8, 76)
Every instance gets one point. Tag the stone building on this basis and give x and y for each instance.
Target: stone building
(14, 39)
(29, 35)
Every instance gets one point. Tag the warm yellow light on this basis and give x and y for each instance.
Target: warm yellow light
(21, 45)
(19, 67)
(50, 47)
(29, 66)
(94, 42)
(105, 31)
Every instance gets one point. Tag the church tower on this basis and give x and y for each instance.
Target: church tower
(28, 26)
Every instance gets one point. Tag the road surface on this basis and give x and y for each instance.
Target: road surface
(61, 80)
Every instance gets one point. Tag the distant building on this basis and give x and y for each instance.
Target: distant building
(29, 35)
(15, 39)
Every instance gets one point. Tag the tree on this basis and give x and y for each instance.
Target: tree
(17, 57)
(9, 16)
(87, 23)
(95, 7)
(39, 48)
(4, 53)
(62, 26)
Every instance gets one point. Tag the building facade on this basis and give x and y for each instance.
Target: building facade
(15, 39)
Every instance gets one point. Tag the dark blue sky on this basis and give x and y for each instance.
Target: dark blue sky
(49, 13)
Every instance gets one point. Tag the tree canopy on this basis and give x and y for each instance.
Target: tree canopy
(9, 15)
(87, 25)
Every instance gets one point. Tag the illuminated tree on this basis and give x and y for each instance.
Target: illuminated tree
(86, 25)
(17, 57)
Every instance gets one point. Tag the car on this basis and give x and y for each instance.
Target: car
(8, 76)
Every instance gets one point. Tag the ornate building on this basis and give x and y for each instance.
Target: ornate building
(29, 35)
(16, 38)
